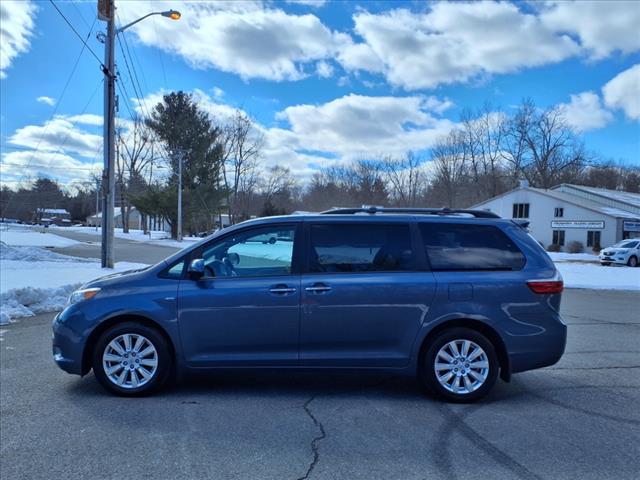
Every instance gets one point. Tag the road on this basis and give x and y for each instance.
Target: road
(124, 250)
(578, 419)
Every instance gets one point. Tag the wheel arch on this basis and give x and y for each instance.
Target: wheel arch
(103, 326)
(480, 327)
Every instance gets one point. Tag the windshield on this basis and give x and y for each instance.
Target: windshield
(627, 244)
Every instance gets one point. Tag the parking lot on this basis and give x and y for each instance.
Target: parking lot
(577, 419)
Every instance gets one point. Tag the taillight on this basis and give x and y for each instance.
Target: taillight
(547, 285)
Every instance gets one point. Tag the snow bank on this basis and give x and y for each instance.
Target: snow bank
(594, 276)
(33, 238)
(34, 280)
(573, 257)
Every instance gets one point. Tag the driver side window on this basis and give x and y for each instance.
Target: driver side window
(259, 252)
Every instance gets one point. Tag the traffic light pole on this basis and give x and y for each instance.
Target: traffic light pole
(108, 175)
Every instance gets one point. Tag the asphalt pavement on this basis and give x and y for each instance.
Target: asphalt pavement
(124, 250)
(576, 420)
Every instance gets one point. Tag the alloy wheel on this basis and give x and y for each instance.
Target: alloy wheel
(461, 366)
(130, 360)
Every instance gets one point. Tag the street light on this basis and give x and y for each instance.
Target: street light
(106, 9)
(172, 14)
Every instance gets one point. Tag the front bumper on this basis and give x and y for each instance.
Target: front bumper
(617, 259)
(66, 347)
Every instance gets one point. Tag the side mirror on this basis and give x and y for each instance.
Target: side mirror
(196, 268)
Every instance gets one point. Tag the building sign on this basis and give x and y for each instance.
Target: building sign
(631, 226)
(592, 225)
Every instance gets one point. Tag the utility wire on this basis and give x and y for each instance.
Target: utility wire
(60, 98)
(84, 42)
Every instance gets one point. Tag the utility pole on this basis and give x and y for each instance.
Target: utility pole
(97, 201)
(180, 154)
(106, 12)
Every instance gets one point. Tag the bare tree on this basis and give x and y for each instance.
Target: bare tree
(242, 144)
(450, 160)
(541, 144)
(405, 177)
(135, 154)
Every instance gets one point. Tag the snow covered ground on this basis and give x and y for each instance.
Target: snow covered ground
(29, 236)
(573, 257)
(596, 277)
(34, 280)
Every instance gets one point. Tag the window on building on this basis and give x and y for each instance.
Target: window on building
(452, 246)
(558, 237)
(593, 238)
(520, 210)
(559, 212)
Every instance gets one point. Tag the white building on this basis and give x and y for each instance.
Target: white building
(567, 213)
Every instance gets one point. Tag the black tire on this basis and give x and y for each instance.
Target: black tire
(164, 359)
(633, 261)
(604, 264)
(427, 374)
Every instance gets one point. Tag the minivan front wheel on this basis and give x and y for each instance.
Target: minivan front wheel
(131, 359)
(460, 365)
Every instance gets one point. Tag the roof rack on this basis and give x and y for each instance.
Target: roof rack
(416, 211)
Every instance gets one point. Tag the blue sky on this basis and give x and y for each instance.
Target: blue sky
(325, 81)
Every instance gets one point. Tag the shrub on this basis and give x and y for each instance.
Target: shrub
(597, 248)
(554, 247)
(575, 247)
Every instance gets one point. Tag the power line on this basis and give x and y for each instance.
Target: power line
(84, 42)
(60, 98)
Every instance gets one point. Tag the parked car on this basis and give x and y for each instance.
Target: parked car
(626, 252)
(453, 297)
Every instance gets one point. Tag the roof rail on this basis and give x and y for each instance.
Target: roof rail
(416, 211)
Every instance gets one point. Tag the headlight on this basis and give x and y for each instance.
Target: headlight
(80, 295)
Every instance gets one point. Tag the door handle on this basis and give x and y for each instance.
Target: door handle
(318, 288)
(282, 290)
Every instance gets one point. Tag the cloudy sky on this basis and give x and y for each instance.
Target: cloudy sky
(326, 81)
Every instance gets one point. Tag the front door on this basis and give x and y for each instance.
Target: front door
(246, 309)
(364, 296)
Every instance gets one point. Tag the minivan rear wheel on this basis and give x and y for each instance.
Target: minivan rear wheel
(460, 365)
(131, 359)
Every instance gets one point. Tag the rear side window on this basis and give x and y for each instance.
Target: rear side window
(451, 246)
(360, 248)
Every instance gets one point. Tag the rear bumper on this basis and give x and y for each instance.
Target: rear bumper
(542, 350)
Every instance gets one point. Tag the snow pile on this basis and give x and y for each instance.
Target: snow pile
(573, 257)
(596, 277)
(34, 280)
(30, 237)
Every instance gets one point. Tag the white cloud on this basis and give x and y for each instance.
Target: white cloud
(61, 166)
(309, 3)
(46, 100)
(245, 38)
(16, 29)
(86, 119)
(356, 125)
(324, 69)
(58, 134)
(453, 42)
(586, 112)
(623, 92)
(602, 26)
(218, 92)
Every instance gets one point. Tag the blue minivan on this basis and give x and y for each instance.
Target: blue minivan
(453, 297)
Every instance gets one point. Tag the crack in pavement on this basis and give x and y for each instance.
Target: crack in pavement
(315, 449)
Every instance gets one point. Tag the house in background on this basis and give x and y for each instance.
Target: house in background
(53, 216)
(135, 221)
(566, 213)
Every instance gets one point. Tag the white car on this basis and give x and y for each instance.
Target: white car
(626, 252)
